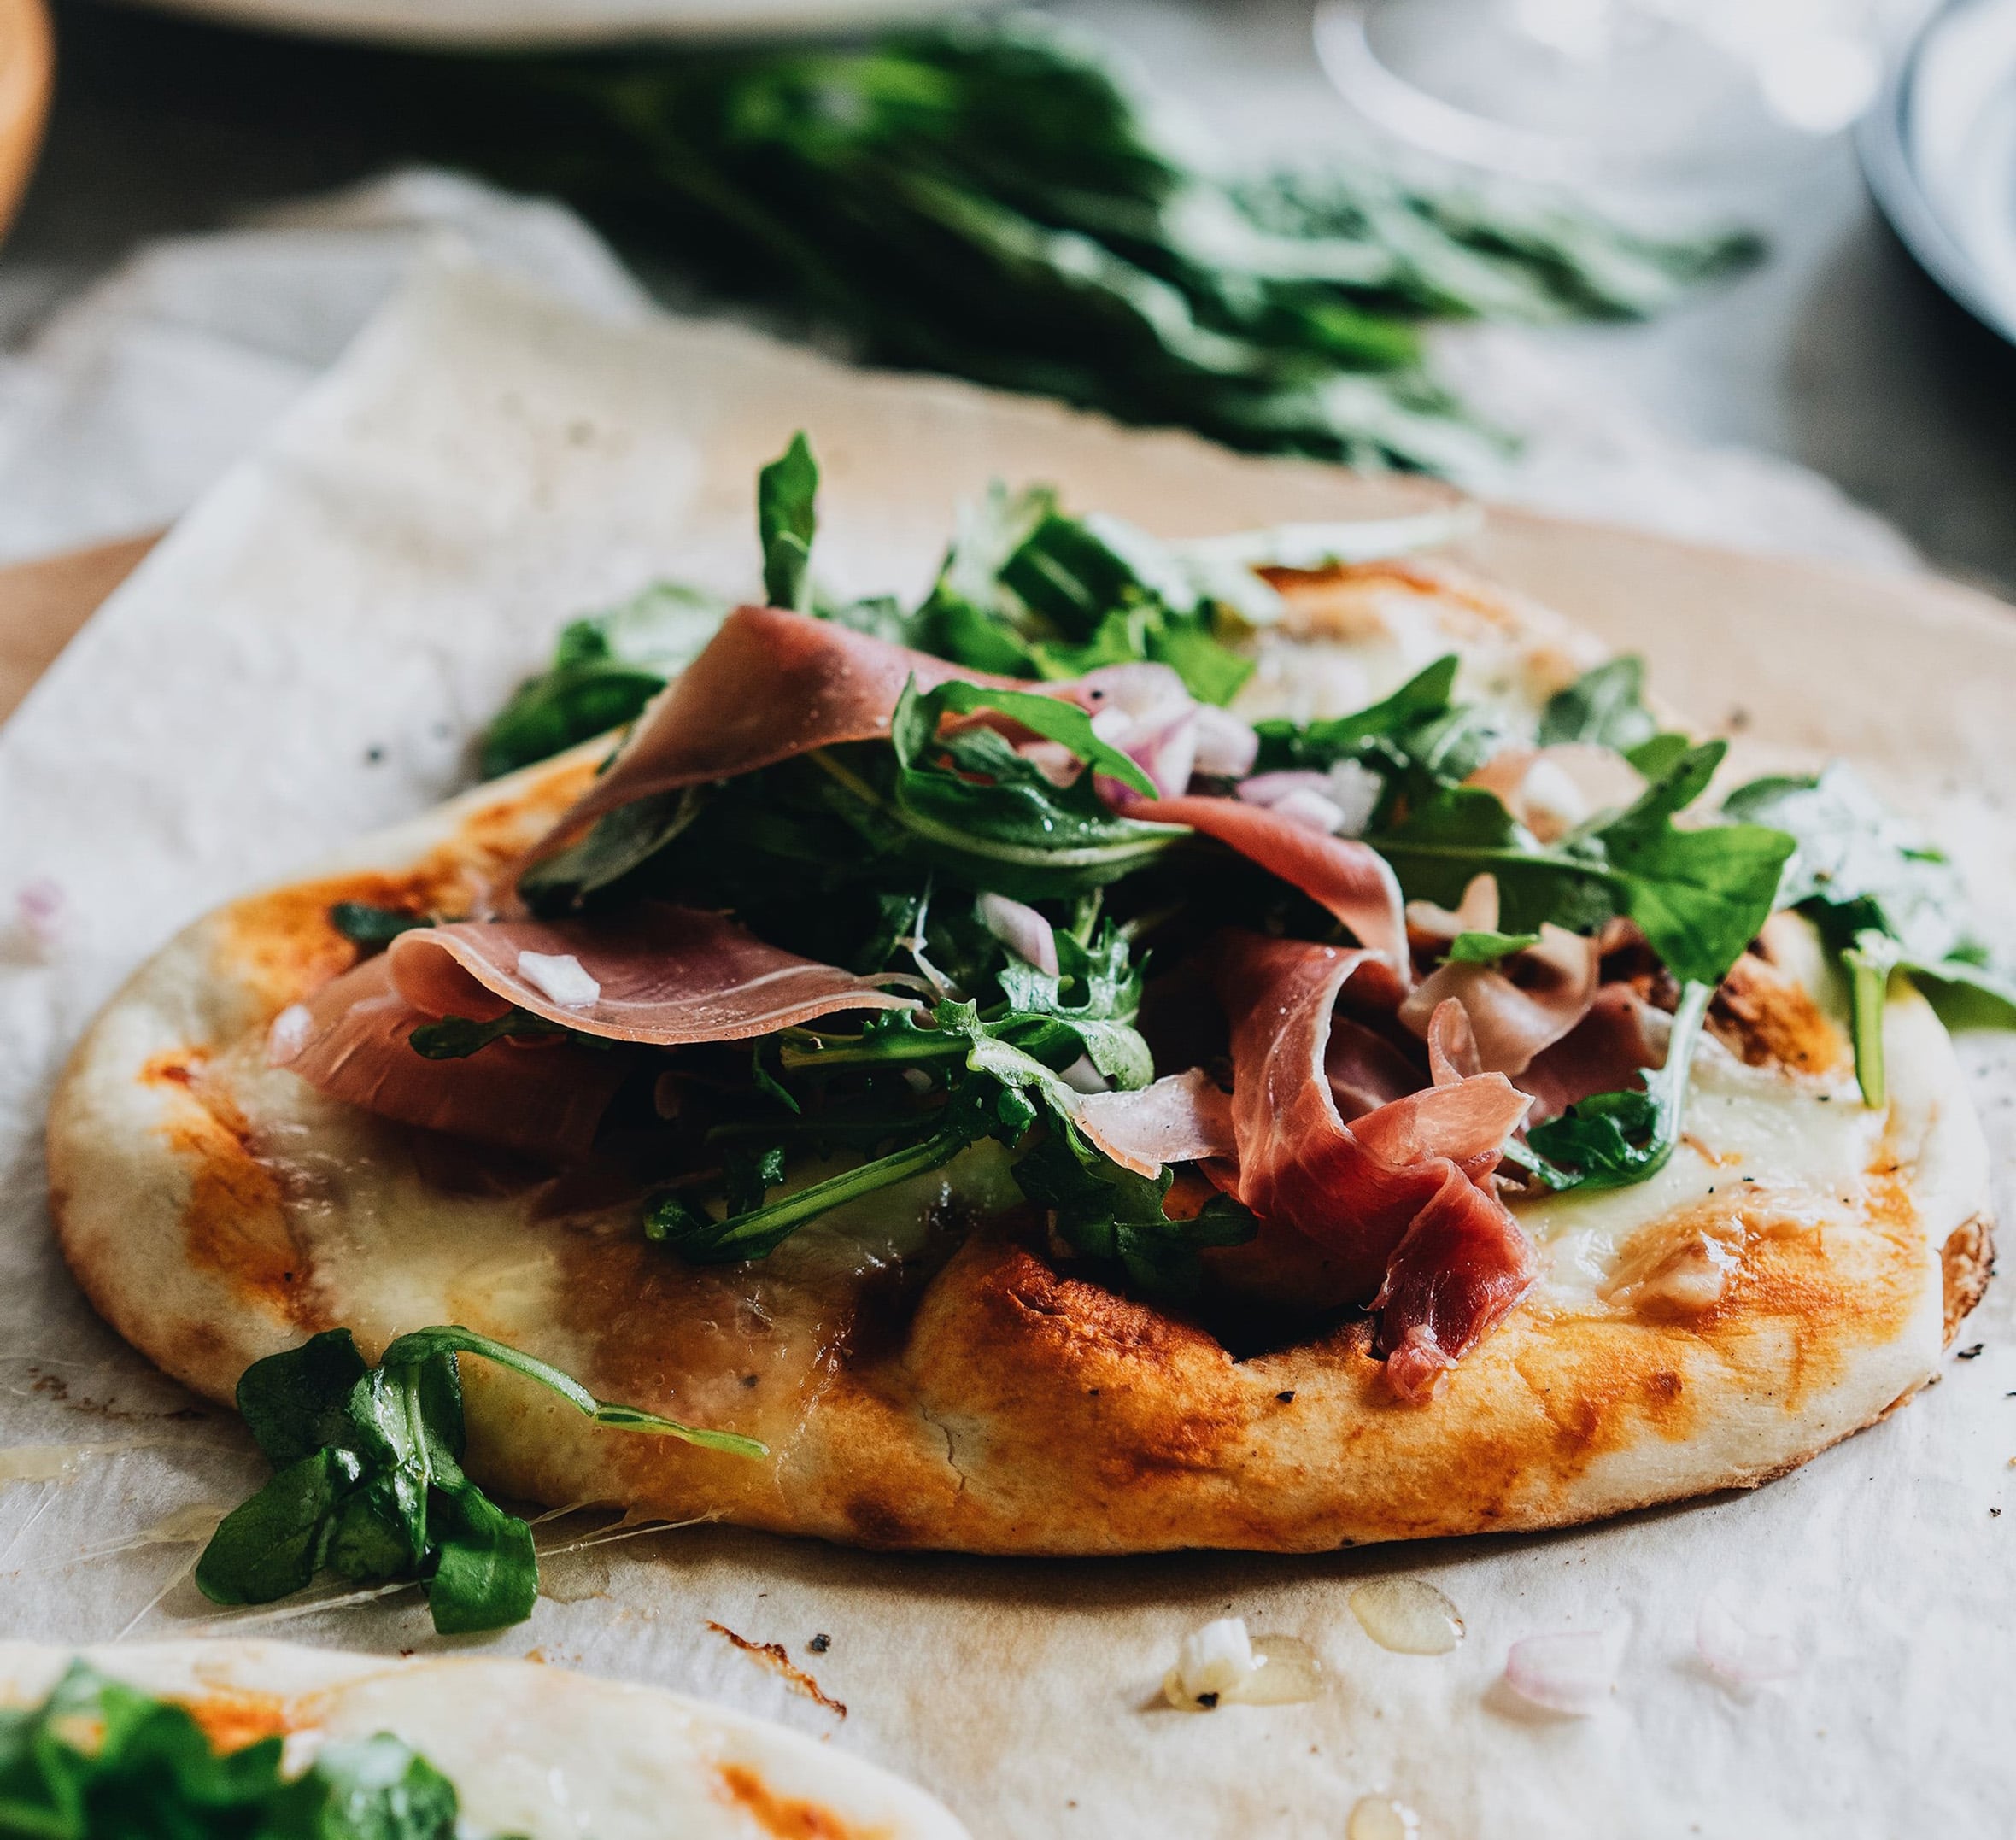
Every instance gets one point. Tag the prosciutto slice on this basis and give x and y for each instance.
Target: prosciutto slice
(1348, 878)
(770, 685)
(544, 1098)
(659, 973)
(1397, 1198)
(1604, 1052)
(1518, 1006)
(1180, 1118)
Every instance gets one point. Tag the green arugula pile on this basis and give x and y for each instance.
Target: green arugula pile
(101, 1761)
(368, 1481)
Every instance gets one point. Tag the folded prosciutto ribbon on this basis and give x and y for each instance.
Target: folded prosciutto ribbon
(1401, 1196)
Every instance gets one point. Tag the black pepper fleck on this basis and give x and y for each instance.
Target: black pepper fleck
(820, 1644)
(1969, 1354)
(1287, 1397)
(1207, 1700)
(374, 754)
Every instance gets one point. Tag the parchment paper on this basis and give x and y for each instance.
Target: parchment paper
(306, 657)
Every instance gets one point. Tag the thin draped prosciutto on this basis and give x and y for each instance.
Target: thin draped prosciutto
(1180, 1118)
(660, 973)
(1517, 1007)
(1397, 1197)
(543, 1097)
(1348, 878)
(772, 685)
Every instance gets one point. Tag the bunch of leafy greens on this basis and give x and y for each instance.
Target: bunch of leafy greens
(1699, 893)
(368, 1481)
(1000, 1076)
(1883, 900)
(1001, 199)
(98, 1760)
(1023, 591)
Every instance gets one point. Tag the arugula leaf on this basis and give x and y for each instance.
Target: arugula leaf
(605, 668)
(786, 522)
(1424, 698)
(102, 1760)
(456, 1037)
(1002, 1081)
(1613, 1140)
(1487, 948)
(1701, 895)
(1105, 1211)
(1029, 592)
(368, 1479)
(1605, 707)
(362, 924)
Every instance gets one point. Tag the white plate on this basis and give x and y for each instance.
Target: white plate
(537, 22)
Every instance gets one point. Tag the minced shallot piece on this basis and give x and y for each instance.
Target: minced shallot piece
(1021, 930)
(40, 905)
(1311, 808)
(558, 976)
(1571, 1671)
(1212, 1665)
(1226, 747)
(1738, 1654)
(1340, 802)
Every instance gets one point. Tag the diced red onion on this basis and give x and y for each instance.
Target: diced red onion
(39, 907)
(1167, 753)
(1571, 1671)
(1314, 810)
(1021, 930)
(1736, 1652)
(1141, 689)
(1270, 788)
(1226, 747)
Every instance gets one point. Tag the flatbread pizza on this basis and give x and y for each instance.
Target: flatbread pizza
(1267, 1043)
(254, 1737)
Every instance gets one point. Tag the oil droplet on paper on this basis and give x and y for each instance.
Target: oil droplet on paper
(1381, 1818)
(1221, 1665)
(1289, 1673)
(49, 1462)
(1407, 1616)
(184, 1526)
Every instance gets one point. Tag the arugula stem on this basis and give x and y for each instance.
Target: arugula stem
(748, 1235)
(1870, 962)
(1154, 838)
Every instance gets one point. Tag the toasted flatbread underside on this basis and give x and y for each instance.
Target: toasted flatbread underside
(924, 1375)
(532, 1750)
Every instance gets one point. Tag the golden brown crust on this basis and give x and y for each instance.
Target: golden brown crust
(993, 1402)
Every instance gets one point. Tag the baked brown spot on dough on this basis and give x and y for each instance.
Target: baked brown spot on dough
(232, 1720)
(1769, 1018)
(783, 1817)
(234, 1223)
